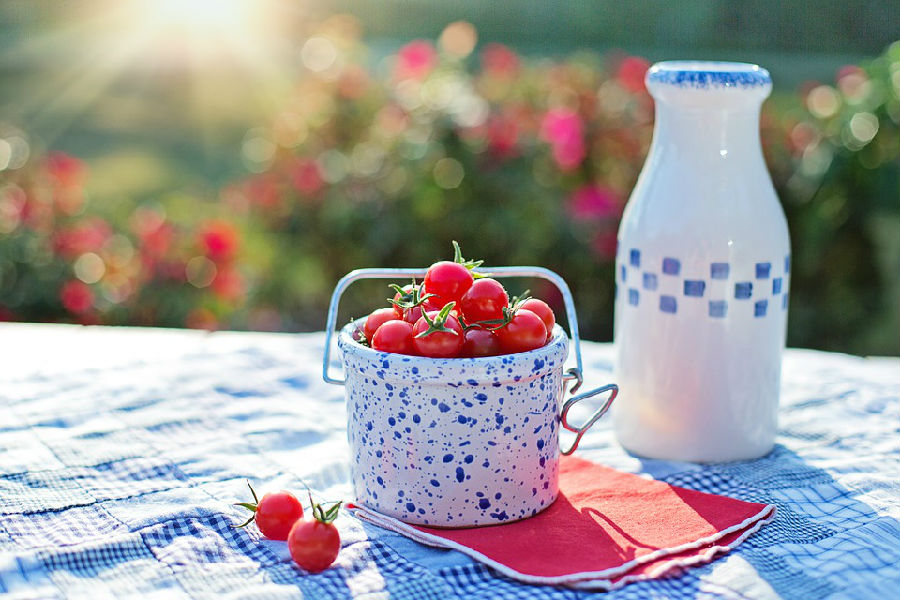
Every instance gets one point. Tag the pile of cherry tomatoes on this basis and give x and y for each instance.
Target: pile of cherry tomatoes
(457, 313)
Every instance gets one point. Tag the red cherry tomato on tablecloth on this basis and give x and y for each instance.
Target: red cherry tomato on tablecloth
(541, 309)
(526, 331)
(448, 281)
(394, 336)
(275, 514)
(484, 301)
(376, 320)
(438, 344)
(480, 342)
(314, 544)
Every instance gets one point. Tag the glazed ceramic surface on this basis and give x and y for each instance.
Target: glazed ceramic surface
(702, 274)
(454, 442)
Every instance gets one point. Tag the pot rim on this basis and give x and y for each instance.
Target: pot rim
(423, 369)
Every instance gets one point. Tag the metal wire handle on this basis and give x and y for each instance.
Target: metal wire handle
(563, 420)
(573, 374)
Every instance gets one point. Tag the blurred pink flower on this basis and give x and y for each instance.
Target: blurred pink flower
(565, 132)
(498, 60)
(631, 74)
(228, 285)
(306, 176)
(76, 297)
(604, 244)
(415, 60)
(220, 240)
(594, 202)
(65, 169)
(88, 235)
(502, 135)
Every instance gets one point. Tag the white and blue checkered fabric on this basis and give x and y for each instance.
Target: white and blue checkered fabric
(122, 451)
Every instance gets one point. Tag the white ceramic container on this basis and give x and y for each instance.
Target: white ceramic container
(457, 442)
(702, 272)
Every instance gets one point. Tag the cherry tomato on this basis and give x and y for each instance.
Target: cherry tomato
(484, 301)
(438, 344)
(314, 545)
(411, 315)
(394, 336)
(480, 342)
(404, 297)
(541, 309)
(275, 514)
(448, 281)
(376, 320)
(526, 331)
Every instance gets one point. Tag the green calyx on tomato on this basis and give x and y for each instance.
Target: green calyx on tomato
(509, 313)
(409, 296)
(469, 264)
(438, 322)
(322, 515)
(251, 506)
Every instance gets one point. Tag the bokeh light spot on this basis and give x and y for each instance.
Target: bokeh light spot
(823, 101)
(864, 126)
(89, 267)
(200, 271)
(448, 173)
(459, 39)
(318, 54)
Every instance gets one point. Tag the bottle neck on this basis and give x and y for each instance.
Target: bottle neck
(708, 133)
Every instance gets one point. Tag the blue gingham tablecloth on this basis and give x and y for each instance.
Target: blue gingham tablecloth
(122, 451)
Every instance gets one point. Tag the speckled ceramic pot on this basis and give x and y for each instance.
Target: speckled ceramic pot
(454, 442)
(458, 442)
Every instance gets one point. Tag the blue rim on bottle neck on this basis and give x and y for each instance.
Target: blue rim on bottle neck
(708, 75)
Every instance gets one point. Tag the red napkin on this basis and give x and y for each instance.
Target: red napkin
(606, 529)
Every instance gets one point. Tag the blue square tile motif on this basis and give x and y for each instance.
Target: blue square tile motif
(784, 302)
(743, 290)
(624, 272)
(719, 270)
(787, 264)
(776, 285)
(633, 296)
(635, 257)
(718, 308)
(694, 287)
(759, 309)
(763, 270)
(650, 281)
(668, 304)
(671, 266)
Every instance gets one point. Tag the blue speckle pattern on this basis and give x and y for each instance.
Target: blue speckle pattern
(719, 270)
(634, 257)
(668, 304)
(725, 281)
(671, 266)
(694, 287)
(718, 75)
(485, 433)
(718, 309)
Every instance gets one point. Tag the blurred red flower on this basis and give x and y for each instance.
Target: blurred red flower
(498, 60)
(604, 244)
(631, 74)
(565, 132)
(228, 285)
(415, 60)
(306, 176)
(76, 297)
(65, 169)
(595, 202)
(502, 135)
(219, 240)
(88, 235)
